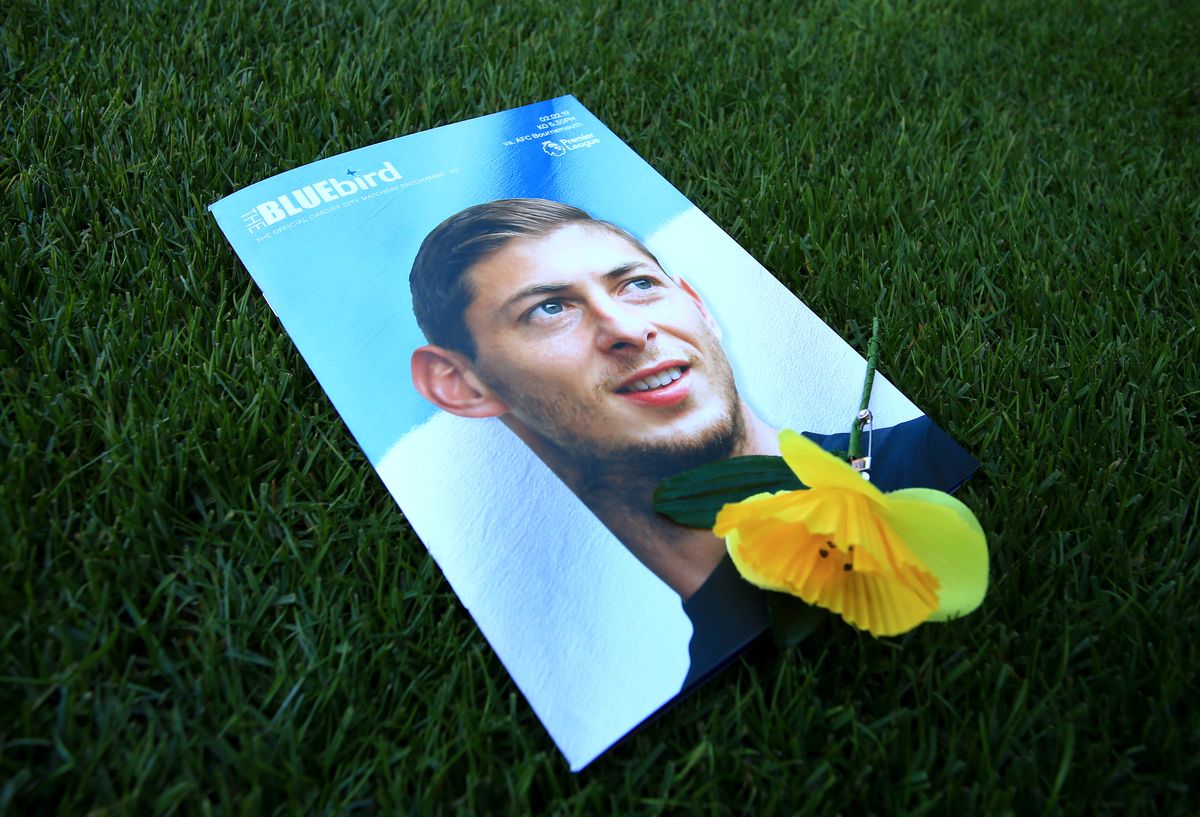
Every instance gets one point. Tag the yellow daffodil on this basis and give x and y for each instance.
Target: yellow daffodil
(885, 562)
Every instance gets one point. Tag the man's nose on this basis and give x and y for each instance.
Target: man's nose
(620, 327)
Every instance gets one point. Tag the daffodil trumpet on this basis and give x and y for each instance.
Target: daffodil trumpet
(884, 562)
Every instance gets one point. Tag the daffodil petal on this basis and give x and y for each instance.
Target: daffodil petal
(746, 567)
(732, 514)
(839, 517)
(881, 605)
(817, 468)
(947, 538)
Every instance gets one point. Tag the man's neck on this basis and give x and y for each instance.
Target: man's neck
(681, 557)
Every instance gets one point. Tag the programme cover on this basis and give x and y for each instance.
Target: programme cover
(582, 328)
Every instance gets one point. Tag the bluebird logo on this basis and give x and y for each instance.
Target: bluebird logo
(317, 193)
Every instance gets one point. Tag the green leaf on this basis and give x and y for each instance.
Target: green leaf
(694, 497)
(792, 620)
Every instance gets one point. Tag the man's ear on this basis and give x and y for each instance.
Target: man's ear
(695, 296)
(445, 378)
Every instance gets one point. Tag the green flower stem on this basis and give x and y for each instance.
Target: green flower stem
(856, 448)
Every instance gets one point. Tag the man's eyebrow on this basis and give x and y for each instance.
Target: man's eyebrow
(624, 269)
(556, 289)
(533, 291)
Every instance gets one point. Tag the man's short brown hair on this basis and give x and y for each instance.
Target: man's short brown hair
(441, 289)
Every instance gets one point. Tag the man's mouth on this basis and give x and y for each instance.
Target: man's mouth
(657, 380)
(661, 387)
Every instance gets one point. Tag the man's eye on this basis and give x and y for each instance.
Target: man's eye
(549, 308)
(641, 283)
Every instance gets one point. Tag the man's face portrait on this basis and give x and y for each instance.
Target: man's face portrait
(593, 347)
(605, 365)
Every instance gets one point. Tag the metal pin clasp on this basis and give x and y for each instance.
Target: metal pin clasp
(863, 464)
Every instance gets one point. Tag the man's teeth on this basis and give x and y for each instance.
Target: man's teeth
(654, 381)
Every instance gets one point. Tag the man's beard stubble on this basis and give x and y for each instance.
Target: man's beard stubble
(604, 466)
(600, 467)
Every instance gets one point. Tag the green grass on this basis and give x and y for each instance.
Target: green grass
(209, 603)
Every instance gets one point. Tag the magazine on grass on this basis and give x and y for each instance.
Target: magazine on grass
(526, 327)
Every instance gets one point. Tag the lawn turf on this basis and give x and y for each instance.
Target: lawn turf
(210, 604)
